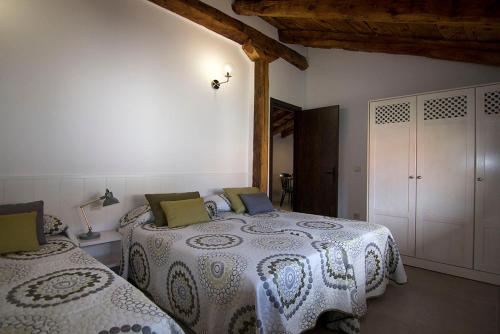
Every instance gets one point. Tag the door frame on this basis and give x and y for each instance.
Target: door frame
(275, 103)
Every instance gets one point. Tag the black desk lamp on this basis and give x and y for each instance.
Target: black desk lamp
(108, 199)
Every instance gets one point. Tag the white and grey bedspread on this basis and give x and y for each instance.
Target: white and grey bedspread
(270, 273)
(61, 289)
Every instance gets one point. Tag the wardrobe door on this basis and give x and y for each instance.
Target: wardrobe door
(392, 169)
(487, 236)
(445, 177)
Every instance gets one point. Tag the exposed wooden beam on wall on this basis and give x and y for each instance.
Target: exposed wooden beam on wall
(255, 54)
(466, 51)
(423, 11)
(229, 27)
(261, 125)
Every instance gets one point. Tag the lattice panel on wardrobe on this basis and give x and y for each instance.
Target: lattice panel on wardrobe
(392, 113)
(492, 103)
(448, 107)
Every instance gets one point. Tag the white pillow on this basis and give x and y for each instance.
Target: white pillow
(216, 203)
(52, 225)
(138, 215)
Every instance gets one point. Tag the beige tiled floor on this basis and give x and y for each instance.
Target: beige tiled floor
(433, 303)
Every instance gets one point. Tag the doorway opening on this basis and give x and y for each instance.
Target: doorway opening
(281, 147)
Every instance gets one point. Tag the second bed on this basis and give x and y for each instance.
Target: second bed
(269, 273)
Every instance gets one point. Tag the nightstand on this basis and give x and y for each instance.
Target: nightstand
(106, 249)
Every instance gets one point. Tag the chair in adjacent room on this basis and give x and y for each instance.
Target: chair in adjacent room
(286, 188)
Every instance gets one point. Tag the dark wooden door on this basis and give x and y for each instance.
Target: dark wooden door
(316, 158)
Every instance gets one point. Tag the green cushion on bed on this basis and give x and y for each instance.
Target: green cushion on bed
(233, 194)
(185, 212)
(155, 199)
(18, 232)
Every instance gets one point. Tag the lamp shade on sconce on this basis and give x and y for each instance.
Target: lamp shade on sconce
(227, 70)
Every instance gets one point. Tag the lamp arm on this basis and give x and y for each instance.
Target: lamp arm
(228, 76)
(90, 202)
(85, 215)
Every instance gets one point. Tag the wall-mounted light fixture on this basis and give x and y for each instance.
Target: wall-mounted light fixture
(227, 69)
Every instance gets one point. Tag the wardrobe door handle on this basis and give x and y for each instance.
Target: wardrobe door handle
(411, 177)
(480, 179)
(419, 177)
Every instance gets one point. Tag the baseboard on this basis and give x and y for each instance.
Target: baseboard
(453, 270)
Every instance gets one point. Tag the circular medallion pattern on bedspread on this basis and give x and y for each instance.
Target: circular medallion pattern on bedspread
(351, 241)
(52, 247)
(82, 258)
(12, 272)
(159, 245)
(391, 256)
(320, 225)
(280, 243)
(123, 297)
(313, 310)
(287, 280)
(60, 287)
(32, 324)
(271, 215)
(272, 228)
(373, 267)
(182, 293)
(139, 265)
(214, 241)
(220, 275)
(135, 328)
(214, 227)
(336, 270)
(244, 321)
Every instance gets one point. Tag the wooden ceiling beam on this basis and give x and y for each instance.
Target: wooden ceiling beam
(256, 54)
(229, 27)
(286, 118)
(466, 51)
(423, 11)
(282, 127)
(287, 132)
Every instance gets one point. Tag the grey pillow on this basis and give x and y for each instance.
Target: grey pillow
(9, 209)
(257, 203)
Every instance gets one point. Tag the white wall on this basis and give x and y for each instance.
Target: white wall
(351, 79)
(282, 161)
(117, 94)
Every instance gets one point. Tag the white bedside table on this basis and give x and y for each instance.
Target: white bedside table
(106, 249)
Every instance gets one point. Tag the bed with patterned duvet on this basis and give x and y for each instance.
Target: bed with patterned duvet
(269, 273)
(61, 289)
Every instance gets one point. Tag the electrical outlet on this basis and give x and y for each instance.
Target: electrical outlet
(356, 216)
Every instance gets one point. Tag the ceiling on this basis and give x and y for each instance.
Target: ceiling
(447, 29)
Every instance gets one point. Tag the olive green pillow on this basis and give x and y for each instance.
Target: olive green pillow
(233, 194)
(185, 212)
(18, 232)
(155, 199)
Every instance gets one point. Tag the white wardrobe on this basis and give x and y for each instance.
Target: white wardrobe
(434, 178)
